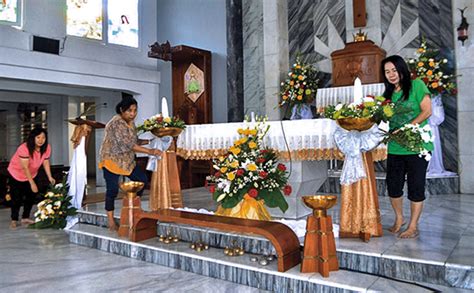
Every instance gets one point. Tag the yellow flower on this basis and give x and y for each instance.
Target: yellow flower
(243, 140)
(167, 119)
(223, 169)
(308, 92)
(235, 150)
(234, 164)
(252, 167)
(221, 159)
(297, 66)
(388, 111)
(252, 145)
(231, 176)
(237, 142)
(420, 64)
(246, 132)
(292, 82)
(253, 132)
(421, 50)
(240, 131)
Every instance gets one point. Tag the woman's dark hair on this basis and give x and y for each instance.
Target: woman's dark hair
(126, 102)
(403, 74)
(30, 141)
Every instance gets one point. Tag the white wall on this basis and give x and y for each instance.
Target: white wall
(82, 64)
(465, 76)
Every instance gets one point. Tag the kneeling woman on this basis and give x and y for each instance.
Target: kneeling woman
(117, 153)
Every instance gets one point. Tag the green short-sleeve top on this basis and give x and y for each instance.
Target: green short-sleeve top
(417, 93)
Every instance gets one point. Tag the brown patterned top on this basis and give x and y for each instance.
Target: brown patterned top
(119, 140)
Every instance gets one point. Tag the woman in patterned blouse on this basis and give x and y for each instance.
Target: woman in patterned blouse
(117, 153)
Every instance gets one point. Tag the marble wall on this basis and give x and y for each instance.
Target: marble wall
(317, 28)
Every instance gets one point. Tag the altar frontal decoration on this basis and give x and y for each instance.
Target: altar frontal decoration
(431, 69)
(249, 177)
(53, 210)
(299, 89)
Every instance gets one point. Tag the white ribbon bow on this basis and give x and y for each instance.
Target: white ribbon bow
(162, 144)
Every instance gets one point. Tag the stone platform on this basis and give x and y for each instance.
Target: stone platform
(440, 258)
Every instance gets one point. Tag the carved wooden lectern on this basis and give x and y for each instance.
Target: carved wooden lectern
(192, 98)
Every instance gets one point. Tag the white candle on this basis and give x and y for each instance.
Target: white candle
(164, 108)
(357, 91)
(252, 116)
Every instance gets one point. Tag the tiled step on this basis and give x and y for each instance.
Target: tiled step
(352, 254)
(241, 270)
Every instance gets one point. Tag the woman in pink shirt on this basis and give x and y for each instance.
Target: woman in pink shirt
(23, 169)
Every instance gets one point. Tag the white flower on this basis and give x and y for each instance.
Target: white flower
(338, 107)
(59, 185)
(221, 197)
(427, 127)
(368, 99)
(428, 156)
(426, 137)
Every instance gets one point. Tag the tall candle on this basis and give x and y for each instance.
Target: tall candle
(164, 108)
(357, 91)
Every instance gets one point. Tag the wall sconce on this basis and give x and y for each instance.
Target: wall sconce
(462, 28)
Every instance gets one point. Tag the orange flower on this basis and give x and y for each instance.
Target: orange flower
(429, 73)
(420, 64)
(300, 77)
(434, 85)
(432, 64)
(284, 97)
(299, 97)
(292, 82)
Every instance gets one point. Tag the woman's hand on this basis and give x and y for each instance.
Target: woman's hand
(51, 180)
(155, 152)
(33, 186)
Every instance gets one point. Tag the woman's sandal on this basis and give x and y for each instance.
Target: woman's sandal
(409, 236)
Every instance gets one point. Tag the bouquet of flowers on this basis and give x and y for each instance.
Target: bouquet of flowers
(158, 121)
(56, 206)
(412, 137)
(430, 68)
(249, 171)
(376, 109)
(300, 86)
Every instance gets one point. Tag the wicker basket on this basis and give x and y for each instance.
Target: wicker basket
(359, 124)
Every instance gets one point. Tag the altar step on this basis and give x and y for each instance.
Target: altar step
(434, 185)
(361, 269)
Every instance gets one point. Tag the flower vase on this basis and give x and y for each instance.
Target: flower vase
(247, 208)
(301, 111)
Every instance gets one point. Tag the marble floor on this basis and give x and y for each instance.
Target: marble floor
(44, 260)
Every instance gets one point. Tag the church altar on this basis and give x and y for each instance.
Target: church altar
(310, 144)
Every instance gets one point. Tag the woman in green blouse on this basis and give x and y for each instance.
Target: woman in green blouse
(415, 96)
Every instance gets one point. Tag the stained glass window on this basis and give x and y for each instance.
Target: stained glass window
(84, 18)
(123, 22)
(10, 12)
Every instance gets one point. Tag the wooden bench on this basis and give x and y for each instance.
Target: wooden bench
(139, 225)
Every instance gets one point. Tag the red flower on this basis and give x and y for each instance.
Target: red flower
(263, 174)
(387, 101)
(217, 174)
(159, 119)
(212, 188)
(454, 91)
(260, 160)
(240, 172)
(425, 79)
(253, 192)
(287, 190)
(264, 151)
(281, 167)
(360, 106)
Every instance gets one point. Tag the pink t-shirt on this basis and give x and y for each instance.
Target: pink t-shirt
(15, 169)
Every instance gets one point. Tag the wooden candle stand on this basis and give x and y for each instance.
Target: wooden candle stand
(319, 245)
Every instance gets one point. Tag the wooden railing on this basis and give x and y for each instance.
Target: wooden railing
(139, 225)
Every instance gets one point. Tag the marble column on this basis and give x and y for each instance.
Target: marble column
(235, 75)
(276, 56)
(465, 106)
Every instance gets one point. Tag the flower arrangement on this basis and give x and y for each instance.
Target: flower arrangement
(301, 85)
(376, 108)
(412, 137)
(430, 68)
(158, 121)
(249, 171)
(56, 206)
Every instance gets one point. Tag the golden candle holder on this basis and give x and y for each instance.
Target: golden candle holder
(130, 202)
(319, 245)
(234, 250)
(168, 238)
(167, 131)
(199, 246)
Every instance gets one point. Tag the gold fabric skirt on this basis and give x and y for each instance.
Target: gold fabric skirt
(247, 208)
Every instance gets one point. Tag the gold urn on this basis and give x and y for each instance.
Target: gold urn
(167, 131)
(320, 203)
(359, 124)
